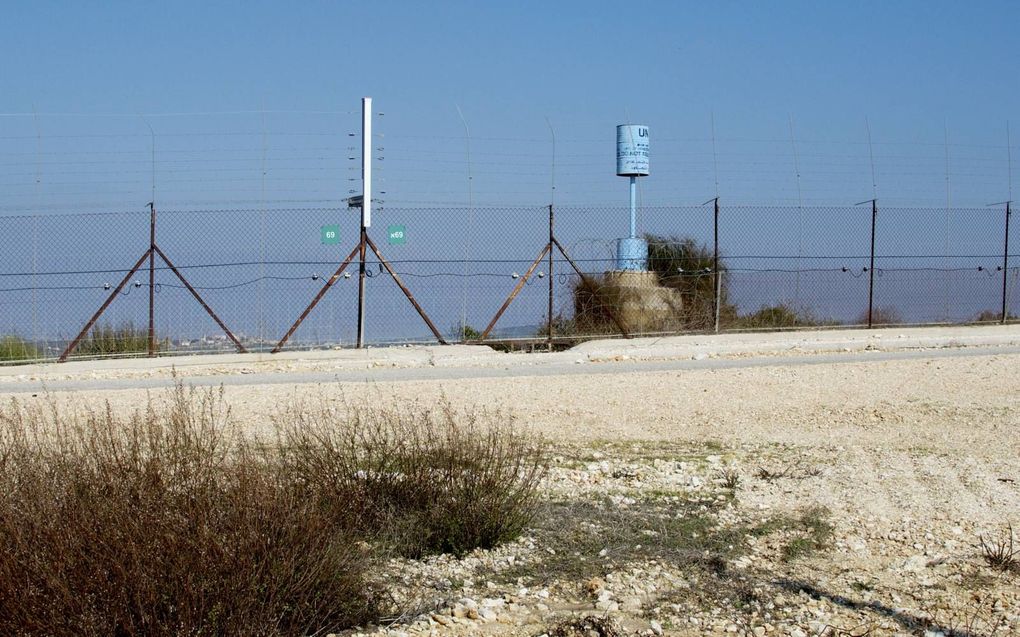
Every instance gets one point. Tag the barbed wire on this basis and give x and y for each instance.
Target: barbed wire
(854, 272)
(527, 259)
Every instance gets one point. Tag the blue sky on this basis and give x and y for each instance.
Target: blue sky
(786, 83)
(249, 106)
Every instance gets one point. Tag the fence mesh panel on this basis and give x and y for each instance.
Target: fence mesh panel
(258, 270)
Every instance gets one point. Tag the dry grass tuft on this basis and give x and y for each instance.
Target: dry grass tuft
(999, 553)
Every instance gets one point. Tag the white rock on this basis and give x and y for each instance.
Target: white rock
(915, 563)
(631, 604)
(656, 627)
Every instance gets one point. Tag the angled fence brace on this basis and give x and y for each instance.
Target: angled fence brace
(318, 297)
(1005, 267)
(366, 242)
(547, 249)
(149, 254)
(407, 292)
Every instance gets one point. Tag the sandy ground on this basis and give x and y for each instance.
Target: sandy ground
(908, 436)
(915, 459)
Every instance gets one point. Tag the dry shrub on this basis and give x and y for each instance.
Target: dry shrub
(168, 523)
(999, 553)
(687, 266)
(435, 480)
(594, 304)
(109, 340)
(881, 315)
(171, 522)
(783, 315)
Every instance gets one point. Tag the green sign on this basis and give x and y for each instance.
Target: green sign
(396, 235)
(330, 235)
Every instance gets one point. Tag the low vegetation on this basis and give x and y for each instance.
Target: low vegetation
(782, 315)
(590, 626)
(174, 522)
(590, 538)
(681, 265)
(15, 348)
(688, 267)
(881, 315)
(465, 333)
(587, 539)
(813, 532)
(1000, 553)
(110, 340)
(994, 316)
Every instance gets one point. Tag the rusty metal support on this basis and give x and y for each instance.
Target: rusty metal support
(102, 308)
(201, 301)
(584, 277)
(716, 280)
(403, 288)
(551, 235)
(152, 280)
(361, 288)
(1005, 267)
(318, 297)
(517, 288)
(150, 254)
(871, 268)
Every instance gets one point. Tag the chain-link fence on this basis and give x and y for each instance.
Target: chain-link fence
(526, 274)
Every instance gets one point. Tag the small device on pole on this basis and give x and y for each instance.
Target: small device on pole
(632, 162)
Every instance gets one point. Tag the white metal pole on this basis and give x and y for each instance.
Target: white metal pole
(633, 207)
(366, 162)
(366, 208)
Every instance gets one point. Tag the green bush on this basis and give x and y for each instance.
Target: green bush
(680, 264)
(780, 316)
(174, 522)
(15, 348)
(108, 340)
(465, 332)
(687, 266)
(438, 481)
(881, 315)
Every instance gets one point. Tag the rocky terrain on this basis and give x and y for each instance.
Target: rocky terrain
(840, 498)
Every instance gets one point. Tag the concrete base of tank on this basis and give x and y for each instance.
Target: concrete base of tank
(639, 302)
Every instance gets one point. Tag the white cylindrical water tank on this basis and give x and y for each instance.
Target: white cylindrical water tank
(631, 150)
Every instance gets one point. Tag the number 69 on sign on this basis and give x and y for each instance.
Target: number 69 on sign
(330, 235)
